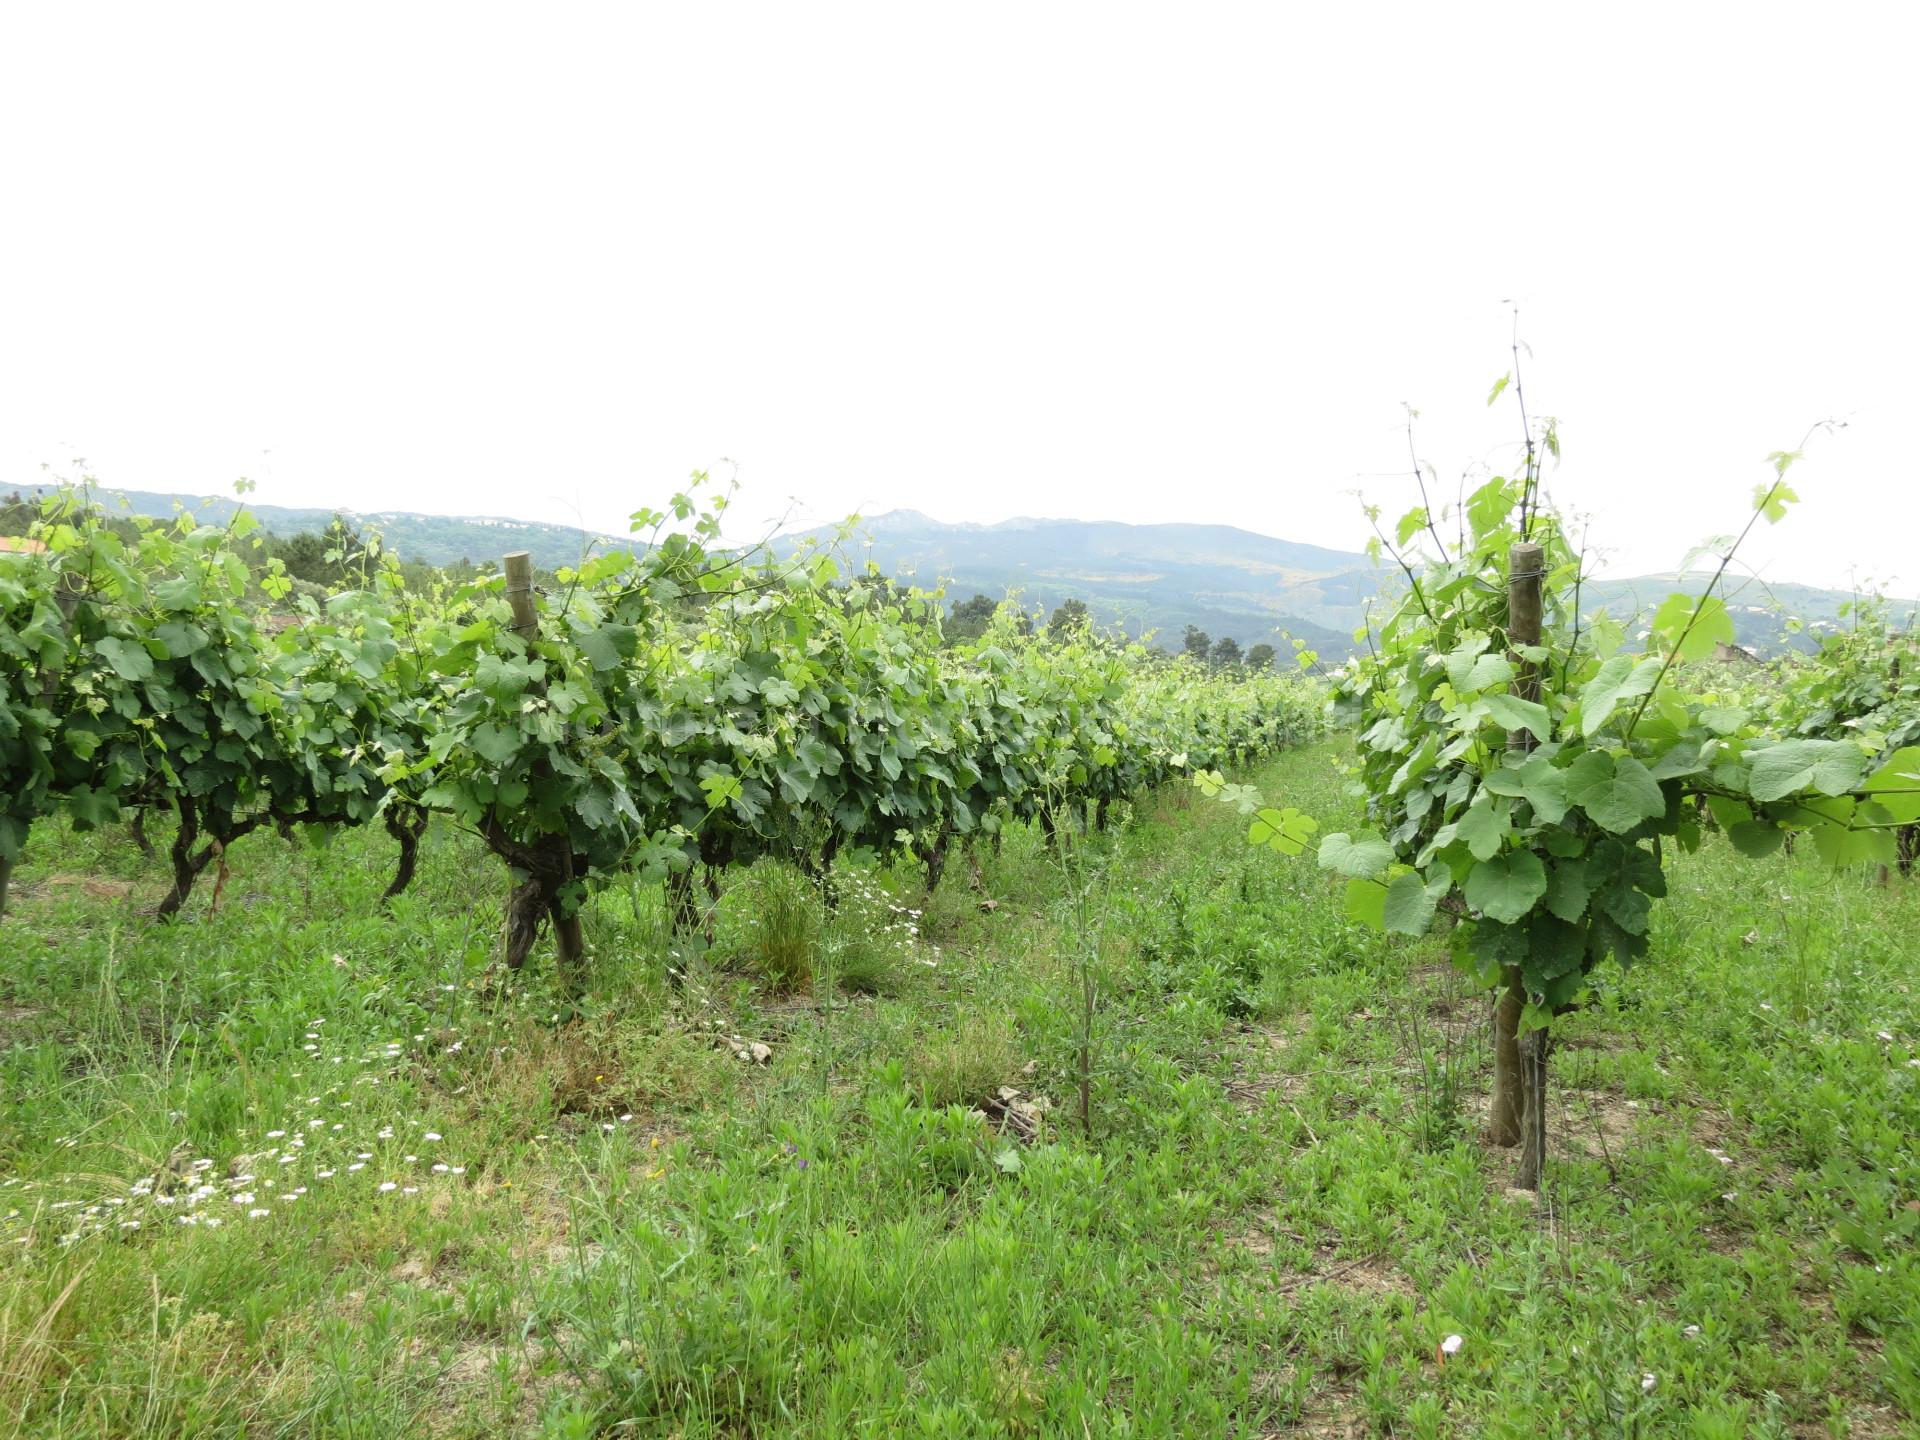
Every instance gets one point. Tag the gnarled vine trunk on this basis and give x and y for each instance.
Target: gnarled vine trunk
(406, 824)
(933, 854)
(547, 863)
(189, 863)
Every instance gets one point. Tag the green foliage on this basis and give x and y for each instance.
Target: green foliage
(1530, 790)
(1068, 616)
(666, 706)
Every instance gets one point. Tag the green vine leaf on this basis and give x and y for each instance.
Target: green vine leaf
(1617, 792)
(1364, 856)
(1485, 828)
(1409, 903)
(1286, 831)
(1831, 767)
(1512, 713)
(1756, 838)
(1507, 886)
(1537, 781)
(1619, 679)
(1691, 628)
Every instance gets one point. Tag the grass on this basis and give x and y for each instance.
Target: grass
(895, 1225)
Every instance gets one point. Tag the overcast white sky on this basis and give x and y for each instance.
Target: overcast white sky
(1180, 263)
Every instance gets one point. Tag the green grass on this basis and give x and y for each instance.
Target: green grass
(896, 1225)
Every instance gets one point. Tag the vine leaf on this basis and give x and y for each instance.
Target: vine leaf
(1896, 785)
(1831, 767)
(1539, 782)
(1840, 846)
(1409, 903)
(1756, 838)
(1286, 831)
(1485, 828)
(130, 662)
(1617, 792)
(1367, 903)
(1510, 712)
(1621, 678)
(1568, 890)
(1507, 886)
(1692, 628)
(1360, 857)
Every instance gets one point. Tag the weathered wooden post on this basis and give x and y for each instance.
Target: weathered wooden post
(1504, 1126)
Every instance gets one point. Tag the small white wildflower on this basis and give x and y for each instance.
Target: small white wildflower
(357, 1165)
(440, 1169)
(1691, 1330)
(1451, 1345)
(431, 1135)
(1647, 1382)
(258, 1213)
(386, 1185)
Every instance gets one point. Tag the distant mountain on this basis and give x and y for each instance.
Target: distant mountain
(1162, 578)
(1142, 578)
(436, 539)
(1761, 609)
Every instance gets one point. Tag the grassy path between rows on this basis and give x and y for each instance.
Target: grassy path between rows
(300, 1168)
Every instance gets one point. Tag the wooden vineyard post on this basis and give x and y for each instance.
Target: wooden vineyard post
(519, 568)
(1505, 1123)
(568, 938)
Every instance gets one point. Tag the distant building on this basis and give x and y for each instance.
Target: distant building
(20, 545)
